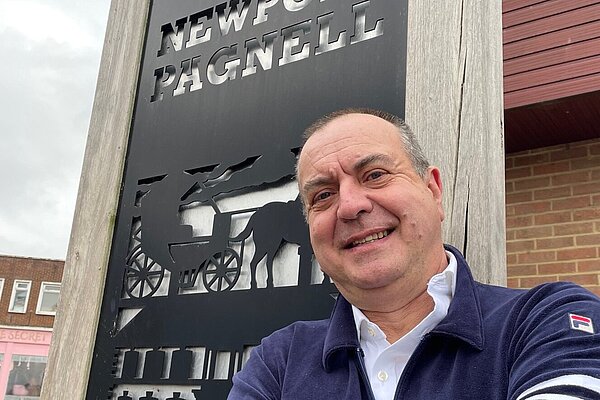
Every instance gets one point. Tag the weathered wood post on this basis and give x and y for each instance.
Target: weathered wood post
(141, 317)
(454, 103)
(95, 212)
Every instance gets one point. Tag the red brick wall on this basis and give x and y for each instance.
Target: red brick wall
(30, 269)
(553, 215)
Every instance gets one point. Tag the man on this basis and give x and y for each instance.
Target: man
(410, 322)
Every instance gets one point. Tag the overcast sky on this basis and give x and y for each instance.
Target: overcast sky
(49, 58)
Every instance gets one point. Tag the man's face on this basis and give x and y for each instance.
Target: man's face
(375, 224)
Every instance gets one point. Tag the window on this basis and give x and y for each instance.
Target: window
(48, 300)
(19, 297)
(1, 286)
(26, 376)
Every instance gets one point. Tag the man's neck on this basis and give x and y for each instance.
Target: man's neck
(397, 323)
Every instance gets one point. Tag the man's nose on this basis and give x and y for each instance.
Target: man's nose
(353, 201)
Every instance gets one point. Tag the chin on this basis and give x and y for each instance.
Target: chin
(371, 282)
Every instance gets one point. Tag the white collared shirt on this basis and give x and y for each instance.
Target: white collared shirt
(384, 361)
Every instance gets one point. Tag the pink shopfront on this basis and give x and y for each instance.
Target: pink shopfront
(23, 358)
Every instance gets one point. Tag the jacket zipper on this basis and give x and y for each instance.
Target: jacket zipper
(360, 355)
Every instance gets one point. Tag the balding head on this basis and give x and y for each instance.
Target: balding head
(409, 140)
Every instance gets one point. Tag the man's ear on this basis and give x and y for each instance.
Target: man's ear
(434, 184)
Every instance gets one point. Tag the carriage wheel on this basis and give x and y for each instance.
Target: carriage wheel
(143, 275)
(222, 271)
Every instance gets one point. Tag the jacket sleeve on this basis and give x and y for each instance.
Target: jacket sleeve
(555, 352)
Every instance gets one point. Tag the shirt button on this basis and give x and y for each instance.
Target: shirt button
(371, 331)
(382, 376)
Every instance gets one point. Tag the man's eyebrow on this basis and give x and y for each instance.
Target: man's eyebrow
(371, 159)
(360, 164)
(314, 183)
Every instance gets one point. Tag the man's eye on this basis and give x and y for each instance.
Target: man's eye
(322, 196)
(374, 175)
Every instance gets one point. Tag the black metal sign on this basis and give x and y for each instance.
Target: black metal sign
(210, 250)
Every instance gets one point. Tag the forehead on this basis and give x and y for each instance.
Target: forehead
(348, 139)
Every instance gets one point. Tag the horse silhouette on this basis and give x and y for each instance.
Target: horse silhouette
(271, 226)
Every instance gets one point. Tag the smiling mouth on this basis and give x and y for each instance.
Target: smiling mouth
(371, 238)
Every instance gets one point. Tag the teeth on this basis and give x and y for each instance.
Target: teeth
(371, 238)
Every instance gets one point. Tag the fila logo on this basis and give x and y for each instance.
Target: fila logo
(580, 323)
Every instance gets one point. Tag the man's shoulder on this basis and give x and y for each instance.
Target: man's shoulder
(545, 292)
(501, 295)
(542, 304)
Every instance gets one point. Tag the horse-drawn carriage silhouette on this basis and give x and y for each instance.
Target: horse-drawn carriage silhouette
(161, 242)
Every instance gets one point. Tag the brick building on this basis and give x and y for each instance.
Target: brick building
(552, 129)
(29, 290)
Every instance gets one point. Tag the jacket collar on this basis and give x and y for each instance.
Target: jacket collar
(464, 320)
(341, 333)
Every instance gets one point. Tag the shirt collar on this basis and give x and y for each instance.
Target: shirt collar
(445, 281)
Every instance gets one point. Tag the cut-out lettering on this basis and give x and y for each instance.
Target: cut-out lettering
(189, 78)
(361, 33)
(236, 16)
(325, 44)
(291, 40)
(199, 31)
(230, 66)
(293, 43)
(261, 51)
(164, 77)
(261, 10)
(172, 38)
